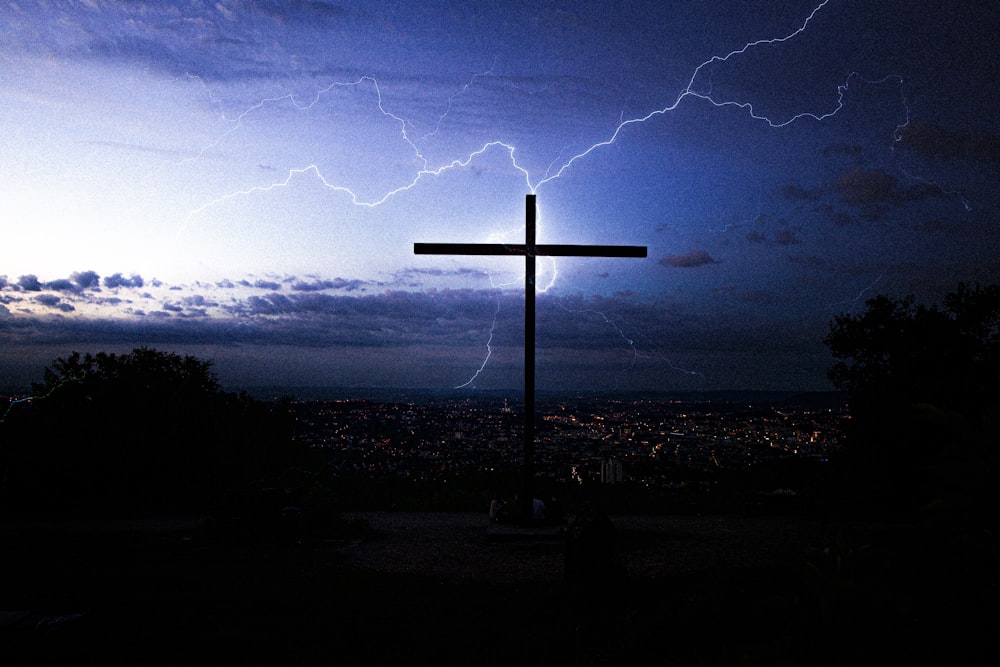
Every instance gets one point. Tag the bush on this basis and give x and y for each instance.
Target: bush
(145, 432)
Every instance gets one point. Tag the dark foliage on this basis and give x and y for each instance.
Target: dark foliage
(138, 433)
(898, 352)
(924, 385)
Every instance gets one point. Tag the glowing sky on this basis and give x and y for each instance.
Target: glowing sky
(244, 181)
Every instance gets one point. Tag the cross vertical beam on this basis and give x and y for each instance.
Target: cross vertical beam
(528, 462)
(530, 249)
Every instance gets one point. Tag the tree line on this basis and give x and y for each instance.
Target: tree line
(137, 433)
(151, 432)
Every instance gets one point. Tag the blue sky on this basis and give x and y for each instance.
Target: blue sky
(244, 181)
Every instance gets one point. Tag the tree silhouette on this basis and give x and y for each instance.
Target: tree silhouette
(142, 432)
(898, 352)
(924, 383)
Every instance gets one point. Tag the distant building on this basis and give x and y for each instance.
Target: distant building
(612, 472)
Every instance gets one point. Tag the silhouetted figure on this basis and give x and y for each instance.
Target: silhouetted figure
(505, 511)
(537, 510)
(495, 507)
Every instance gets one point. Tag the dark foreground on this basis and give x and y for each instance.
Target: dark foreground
(423, 588)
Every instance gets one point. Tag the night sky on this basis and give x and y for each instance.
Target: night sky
(244, 181)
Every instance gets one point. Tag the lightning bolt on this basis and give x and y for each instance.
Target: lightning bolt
(861, 295)
(551, 173)
(694, 88)
(489, 346)
(745, 221)
(456, 95)
(618, 325)
(940, 188)
(237, 123)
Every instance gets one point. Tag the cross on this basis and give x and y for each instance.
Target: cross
(530, 250)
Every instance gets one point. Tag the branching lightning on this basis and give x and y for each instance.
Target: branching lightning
(454, 96)
(551, 174)
(698, 86)
(861, 295)
(945, 191)
(618, 324)
(489, 346)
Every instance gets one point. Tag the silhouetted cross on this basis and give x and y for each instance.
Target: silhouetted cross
(530, 250)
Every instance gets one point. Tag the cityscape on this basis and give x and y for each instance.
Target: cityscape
(655, 442)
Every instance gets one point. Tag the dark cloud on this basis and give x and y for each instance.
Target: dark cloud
(810, 261)
(160, 41)
(86, 279)
(442, 272)
(267, 284)
(850, 150)
(118, 280)
(348, 285)
(29, 283)
(756, 297)
(198, 301)
(934, 226)
(314, 286)
(932, 141)
(146, 51)
(457, 323)
(272, 304)
(319, 285)
(786, 237)
(312, 302)
(866, 188)
(214, 41)
(795, 192)
(844, 219)
(310, 12)
(688, 260)
(756, 237)
(315, 318)
(52, 301)
(62, 285)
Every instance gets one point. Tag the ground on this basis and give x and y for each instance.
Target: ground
(435, 588)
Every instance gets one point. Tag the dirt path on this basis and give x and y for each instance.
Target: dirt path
(456, 546)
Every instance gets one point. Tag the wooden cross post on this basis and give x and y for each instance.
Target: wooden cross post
(530, 250)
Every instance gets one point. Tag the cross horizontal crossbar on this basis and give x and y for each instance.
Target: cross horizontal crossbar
(542, 249)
